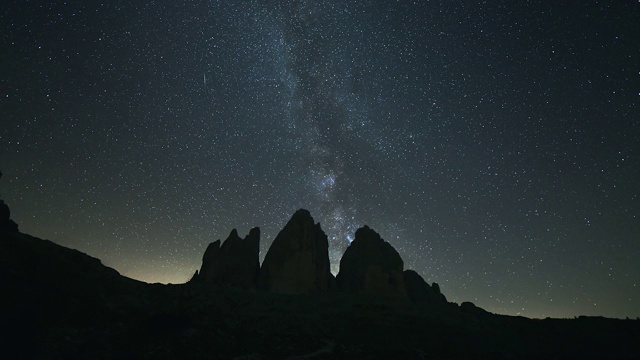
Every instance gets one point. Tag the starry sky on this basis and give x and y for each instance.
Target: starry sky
(495, 145)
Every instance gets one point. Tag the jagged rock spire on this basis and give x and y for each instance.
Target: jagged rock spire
(298, 260)
(234, 263)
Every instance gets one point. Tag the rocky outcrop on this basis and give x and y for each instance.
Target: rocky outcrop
(6, 224)
(211, 263)
(298, 263)
(471, 308)
(372, 266)
(419, 290)
(235, 263)
(59, 303)
(298, 260)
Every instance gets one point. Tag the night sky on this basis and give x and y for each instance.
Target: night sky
(496, 146)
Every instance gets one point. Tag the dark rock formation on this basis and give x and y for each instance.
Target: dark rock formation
(234, 264)
(211, 262)
(471, 308)
(419, 290)
(195, 276)
(6, 224)
(371, 265)
(298, 260)
(59, 303)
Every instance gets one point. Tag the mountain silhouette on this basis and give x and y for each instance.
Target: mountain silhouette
(59, 303)
(235, 263)
(6, 224)
(298, 260)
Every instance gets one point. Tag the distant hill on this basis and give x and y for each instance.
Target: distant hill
(59, 303)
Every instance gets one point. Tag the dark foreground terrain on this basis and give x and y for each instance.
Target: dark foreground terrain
(58, 303)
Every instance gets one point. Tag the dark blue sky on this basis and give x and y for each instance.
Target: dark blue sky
(495, 146)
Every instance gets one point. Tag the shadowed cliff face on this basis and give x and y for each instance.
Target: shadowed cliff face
(371, 266)
(419, 290)
(298, 260)
(298, 263)
(234, 264)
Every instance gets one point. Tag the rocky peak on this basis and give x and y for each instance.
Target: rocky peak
(234, 263)
(298, 260)
(371, 265)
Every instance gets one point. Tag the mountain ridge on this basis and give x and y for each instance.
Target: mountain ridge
(61, 303)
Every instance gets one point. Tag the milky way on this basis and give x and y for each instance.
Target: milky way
(495, 146)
